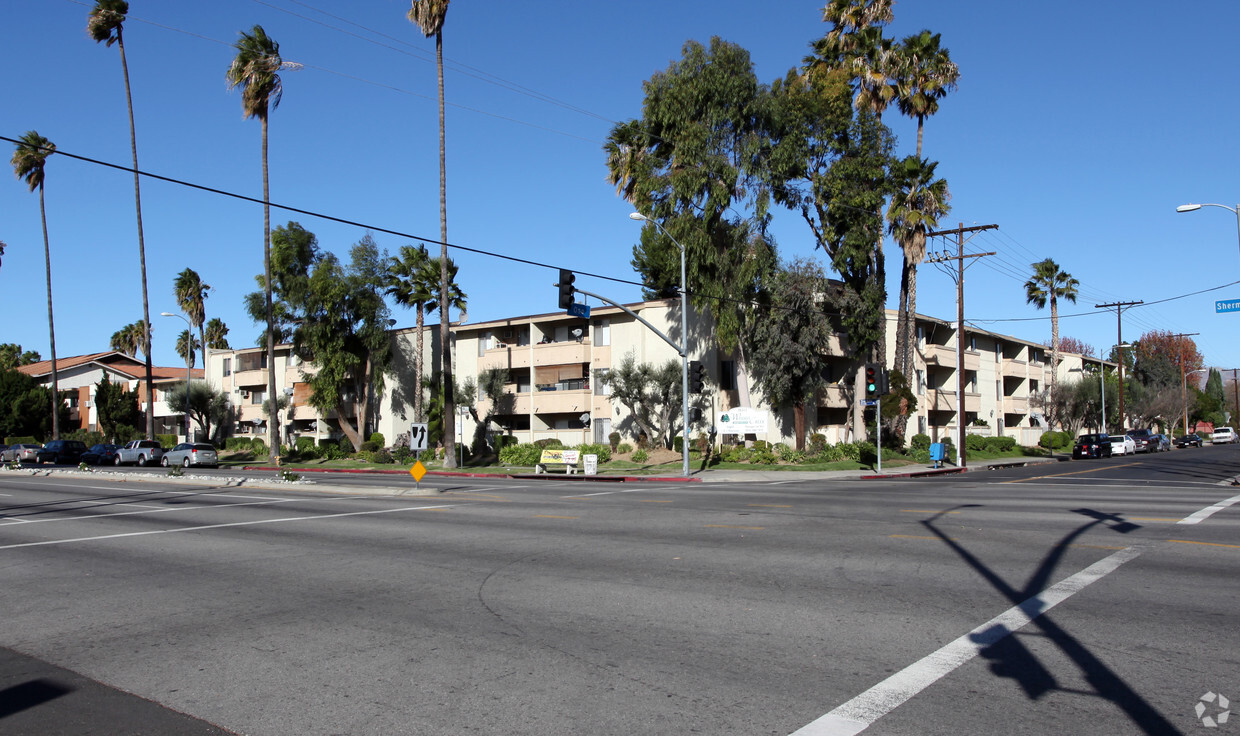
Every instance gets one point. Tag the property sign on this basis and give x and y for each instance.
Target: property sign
(1227, 305)
(743, 420)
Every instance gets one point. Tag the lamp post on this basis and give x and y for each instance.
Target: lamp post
(1194, 207)
(1184, 393)
(684, 343)
(189, 351)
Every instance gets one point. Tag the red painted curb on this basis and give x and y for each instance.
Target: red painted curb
(375, 472)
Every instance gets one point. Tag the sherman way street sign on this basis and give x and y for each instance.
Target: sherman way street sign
(1227, 305)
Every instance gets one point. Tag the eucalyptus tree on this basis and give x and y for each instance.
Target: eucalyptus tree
(254, 70)
(191, 295)
(106, 24)
(29, 161)
(693, 164)
(925, 74)
(918, 201)
(413, 281)
(1048, 285)
(429, 16)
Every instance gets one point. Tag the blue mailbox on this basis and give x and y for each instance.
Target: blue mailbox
(938, 453)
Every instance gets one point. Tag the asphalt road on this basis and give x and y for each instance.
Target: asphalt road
(1090, 597)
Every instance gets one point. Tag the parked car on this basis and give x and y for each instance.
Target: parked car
(1091, 445)
(1160, 443)
(186, 454)
(140, 453)
(21, 452)
(1122, 445)
(1140, 439)
(68, 452)
(102, 454)
(1223, 436)
(1188, 440)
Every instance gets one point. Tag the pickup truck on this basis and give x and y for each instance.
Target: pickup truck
(140, 452)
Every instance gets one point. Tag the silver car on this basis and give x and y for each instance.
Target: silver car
(186, 454)
(139, 452)
(21, 452)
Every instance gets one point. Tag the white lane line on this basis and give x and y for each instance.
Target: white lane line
(608, 493)
(1200, 516)
(862, 711)
(222, 526)
(154, 510)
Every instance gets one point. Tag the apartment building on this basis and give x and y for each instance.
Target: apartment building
(555, 363)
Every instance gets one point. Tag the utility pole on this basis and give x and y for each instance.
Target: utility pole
(959, 258)
(1119, 344)
(1184, 378)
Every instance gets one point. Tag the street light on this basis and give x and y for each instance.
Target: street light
(1194, 207)
(684, 343)
(189, 351)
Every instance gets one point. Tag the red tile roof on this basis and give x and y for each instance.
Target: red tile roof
(119, 362)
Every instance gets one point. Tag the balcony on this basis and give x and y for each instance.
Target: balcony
(945, 400)
(1015, 405)
(1014, 367)
(256, 378)
(520, 356)
(556, 402)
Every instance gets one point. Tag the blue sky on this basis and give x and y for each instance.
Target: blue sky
(1077, 135)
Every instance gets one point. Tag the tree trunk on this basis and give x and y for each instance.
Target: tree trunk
(798, 422)
(137, 198)
(910, 339)
(51, 326)
(445, 344)
(273, 430)
(417, 365)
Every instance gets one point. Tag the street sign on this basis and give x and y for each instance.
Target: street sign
(417, 437)
(579, 310)
(417, 471)
(1227, 305)
(869, 402)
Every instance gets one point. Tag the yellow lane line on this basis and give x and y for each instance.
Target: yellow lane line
(1075, 472)
(1207, 544)
(732, 526)
(549, 516)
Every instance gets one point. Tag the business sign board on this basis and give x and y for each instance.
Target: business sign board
(1227, 305)
(744, 420)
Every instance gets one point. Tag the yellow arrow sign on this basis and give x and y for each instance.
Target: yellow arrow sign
(417, 471)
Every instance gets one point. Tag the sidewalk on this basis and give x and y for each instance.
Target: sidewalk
(903, 471)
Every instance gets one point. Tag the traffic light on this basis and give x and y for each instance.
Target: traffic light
(697, 377)
(566, 288)
(871, 380)
(884, 385)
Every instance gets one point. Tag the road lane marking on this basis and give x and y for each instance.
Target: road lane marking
(651, 500)
(1199, 516)
(861, 712)
(1150, 518)
(926, 511)
(608, 493)
(1208, 544)
(915, 536)
(219, 526)
(732, 526)
(1074, 472)
(770, 505)
(551, 516)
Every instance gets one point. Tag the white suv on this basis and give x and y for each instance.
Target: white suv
(1223, 435)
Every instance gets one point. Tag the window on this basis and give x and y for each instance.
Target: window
(602, 332)
(727, 375)
(257, 397)
(601, 386)
(921, 382)
(1033, 385)
(227, 366)
(484, 341)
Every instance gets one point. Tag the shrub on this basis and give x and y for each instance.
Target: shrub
(920, 442)
(168, 441)
(866, 453)
(518, 454)
(1000, 444)
(613, 439)
(331, 452)
(678, 443)
(921, 456)
(370, 446)
(504, 440)
(258, 447)
(603, 451)
(975, 442)
(761, 445)
(623, 448)
(305, 446)
(735, 454)
(548, 444)
(88, 436)
(402, 455)
(849, 450)
(21, 441)
(382, 456)
(1055, 440)
(817, 442)
(238, 444)
(378, 439)
(640, 456)
(763, 455)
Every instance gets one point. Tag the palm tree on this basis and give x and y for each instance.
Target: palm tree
(254, 71)
(429, 15)
(918, 203)
(129, 339)
(413, 280)
(216, 335)
(1049, 284)
(191, 294)
(28, 162)
(926, 74)
(187, 345)
(106, 25)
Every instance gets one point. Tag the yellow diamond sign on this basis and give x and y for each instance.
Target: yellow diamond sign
(417, 471)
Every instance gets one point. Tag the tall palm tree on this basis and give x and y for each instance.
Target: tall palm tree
(926, 73)
(413, 281)
(106, 25)
(254, 71)
(429, 15)
(191, 294)
(28, 162)
(216, 334)
(918, 203)
(1050, 284)
(187, 345)
(129, 339)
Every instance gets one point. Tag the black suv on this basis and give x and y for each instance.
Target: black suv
(1091, 445)
(1141, 438)
(67, 452)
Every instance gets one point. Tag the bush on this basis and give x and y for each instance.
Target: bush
(168, 441)
(518, 454)
(369, 446)
(640, 456)
(382, 457)
(1055, 440)
(504, 440)
(305, 446)
(866, 453)
(258, 447)
(402, 455)
(89, 437)
(975, 442)
(549, 444)
(678, 443)
(1000, 444)
(603, 451)
(613, 439)
(378, 439)
(623, 448)
(920, 442)
(238, 444)
(735, 454)
(849, 450)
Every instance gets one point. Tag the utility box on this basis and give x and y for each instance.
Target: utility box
(938, 453)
